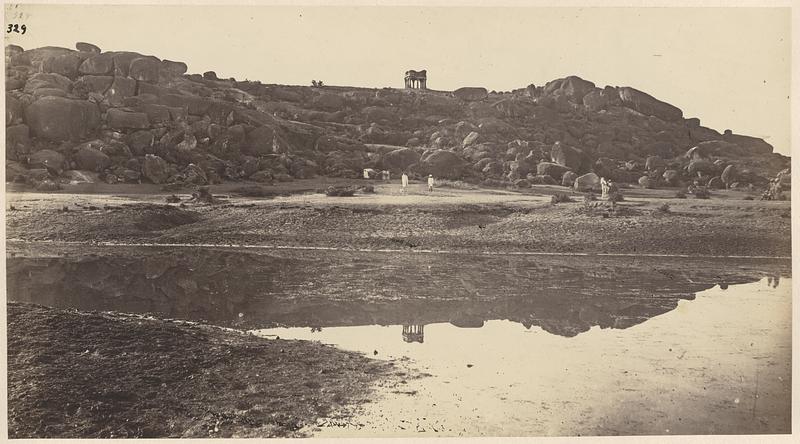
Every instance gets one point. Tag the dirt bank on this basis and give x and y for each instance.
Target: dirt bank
(103, 375)
(648, 221)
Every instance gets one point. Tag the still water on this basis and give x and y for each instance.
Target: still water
(501, 346)
(717, 365)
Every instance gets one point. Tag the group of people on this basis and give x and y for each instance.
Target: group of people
(386, 176)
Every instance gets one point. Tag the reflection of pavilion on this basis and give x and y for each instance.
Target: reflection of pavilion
(413, 333)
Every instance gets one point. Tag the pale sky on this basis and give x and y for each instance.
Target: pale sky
(728, 66)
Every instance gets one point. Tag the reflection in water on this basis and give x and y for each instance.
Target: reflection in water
(700, 369)
(515, 345)
(261, 289)
(414, 333)
(774, 281)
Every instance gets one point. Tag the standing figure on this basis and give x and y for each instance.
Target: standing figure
(604, 188)
(430, 182)
(404, 181)
(366, 173)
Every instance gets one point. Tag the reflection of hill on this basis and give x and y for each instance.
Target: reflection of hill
(564, 296)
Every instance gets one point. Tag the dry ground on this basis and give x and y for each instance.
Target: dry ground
(453, 219)
(104, 375)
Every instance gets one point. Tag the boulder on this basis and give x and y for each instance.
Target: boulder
(648, 105)
(123, 120)
(696, 153)
(194, 174)
(343, 163)
(155, 169)
(140, 142)
(728, 175)
(543, 179)
(115, 149)
(48, 92)
(553, 170)
(570, 157)
(599, 99)
(37, 56)
(145, 69)
(568, 179)
(65, 65)
(573, 88)
(52, 160)
(700, 166)
(716, 183)
(522, 183)
(130, 176)
(100, 64)
(587, 182)
(463, 128)
(13, 84)
(441, 164)
(653, 163)
(262, 177)
(47, 80)
(121, 88)
(470, 94)
(91, 159)
(400, 159)
(87, 47)
(260, 141)
(59, 118)
(75, 176)
(671, 177)
(12, 50)
(15, 172)
(17, 138)
(156, 113)
(470, 139)
(93, 84)
(173, 68)
(646, 182)
(14, 110)
(122, 62)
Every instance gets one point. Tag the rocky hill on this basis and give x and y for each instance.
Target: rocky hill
(88, 115)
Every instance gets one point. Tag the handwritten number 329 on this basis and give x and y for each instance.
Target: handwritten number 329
(20, 29)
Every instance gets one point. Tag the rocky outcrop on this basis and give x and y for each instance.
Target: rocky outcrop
(133, 117)
(648, 105)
